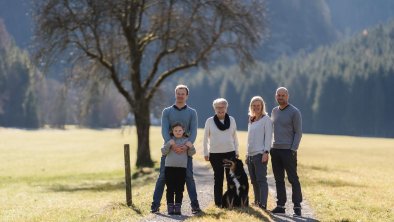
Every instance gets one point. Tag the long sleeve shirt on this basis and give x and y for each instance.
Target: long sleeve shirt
(220, 141)
(287, 127)
(186, 115)
(259, 136)
(174, 159)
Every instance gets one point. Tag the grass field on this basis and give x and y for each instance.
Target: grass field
(78, 174)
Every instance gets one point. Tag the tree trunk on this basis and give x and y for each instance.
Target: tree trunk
(142, 122)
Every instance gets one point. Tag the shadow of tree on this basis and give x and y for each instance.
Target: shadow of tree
(95, 187)
(338, 183)
(103, 185)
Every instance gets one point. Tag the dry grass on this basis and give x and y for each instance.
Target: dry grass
(69, 175)
(78, 174)
(348, 178)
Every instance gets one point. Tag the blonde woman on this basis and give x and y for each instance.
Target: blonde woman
(220, 142)
(258, 148)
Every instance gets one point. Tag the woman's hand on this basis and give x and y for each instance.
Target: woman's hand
(265, 158)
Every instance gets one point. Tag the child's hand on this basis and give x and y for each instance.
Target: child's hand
(189, 144)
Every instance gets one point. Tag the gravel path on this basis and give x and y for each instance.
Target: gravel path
(204, 184)
(307, 212)
(203, 176)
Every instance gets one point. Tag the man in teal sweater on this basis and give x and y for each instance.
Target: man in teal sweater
(287, 123)
(179, 112)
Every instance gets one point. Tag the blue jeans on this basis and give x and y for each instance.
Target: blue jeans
(161, 182)
(258, 177)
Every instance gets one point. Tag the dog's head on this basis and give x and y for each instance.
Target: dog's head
(232, 164)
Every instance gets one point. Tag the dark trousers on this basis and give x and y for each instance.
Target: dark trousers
(175, 182)
(285, 160)
(216, 160)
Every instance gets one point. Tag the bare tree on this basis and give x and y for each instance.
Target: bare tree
(137, 44)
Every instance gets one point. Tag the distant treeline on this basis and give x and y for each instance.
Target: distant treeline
(18, 107)
(346, 88)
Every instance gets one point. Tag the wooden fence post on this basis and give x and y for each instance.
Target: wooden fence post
(127, 174)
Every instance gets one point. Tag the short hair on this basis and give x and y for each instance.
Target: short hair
(257, 98)
(282, 88)
(180, 86)
(220, 100)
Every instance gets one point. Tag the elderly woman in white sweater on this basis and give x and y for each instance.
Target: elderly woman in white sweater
(258, 148)
(220, 142)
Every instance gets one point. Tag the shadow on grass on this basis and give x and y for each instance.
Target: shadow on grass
(249, 210)
(338, 183)
(118, 205)
(109, 185)
(173, 217)
(283, 217)
(314, 167)
(95, 187)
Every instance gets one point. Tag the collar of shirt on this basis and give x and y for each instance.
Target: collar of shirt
(179, 109)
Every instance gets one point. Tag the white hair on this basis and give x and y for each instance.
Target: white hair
(218, 101)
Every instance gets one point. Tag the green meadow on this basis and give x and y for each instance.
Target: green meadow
(78, 175)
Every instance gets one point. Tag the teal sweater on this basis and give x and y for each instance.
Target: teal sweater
(186, 115)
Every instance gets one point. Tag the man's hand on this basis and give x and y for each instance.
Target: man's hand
(206, 158)
(189, 144)
(265, 158)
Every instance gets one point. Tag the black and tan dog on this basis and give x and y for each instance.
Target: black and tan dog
(238, 189)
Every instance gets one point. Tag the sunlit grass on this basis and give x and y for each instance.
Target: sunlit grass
(348, 178)
(78, 175)
(69, 175)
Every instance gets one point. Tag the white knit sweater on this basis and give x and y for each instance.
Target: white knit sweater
(259, 136)
(218, 141)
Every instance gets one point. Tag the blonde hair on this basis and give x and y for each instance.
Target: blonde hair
(219, 100)
(257, 98)
(182, 87)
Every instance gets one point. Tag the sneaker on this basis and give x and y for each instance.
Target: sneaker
(279, 210)
(154, 209)
(297, 211)
(196, 209)
(263, 207)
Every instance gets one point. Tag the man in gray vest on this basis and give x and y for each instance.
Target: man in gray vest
(287, 123)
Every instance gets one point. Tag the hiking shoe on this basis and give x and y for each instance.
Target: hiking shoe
(297, 211)
(154, 209)
(170, 208)
(279, 210)
(177, 208)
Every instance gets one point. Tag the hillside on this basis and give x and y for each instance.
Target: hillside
(341, 89)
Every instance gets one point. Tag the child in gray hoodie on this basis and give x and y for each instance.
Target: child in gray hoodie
(175, 167)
